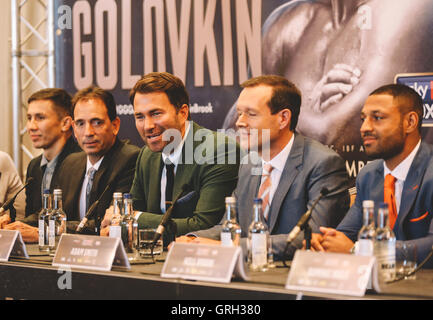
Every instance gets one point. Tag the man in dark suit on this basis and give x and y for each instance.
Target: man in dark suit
(49, 125)
(391, 124)
(106, 163)
(298, 168)
(178, 152)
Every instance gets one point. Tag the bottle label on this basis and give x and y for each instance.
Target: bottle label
(41, 226)
(226, 239)
(115, 232)
(52, 233)
(364, 247)
(258, 248)
(385, 256)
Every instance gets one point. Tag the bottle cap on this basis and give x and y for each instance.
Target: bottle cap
(258, 201)
(230, 200)
(368, 204)
(117, 195)
(46, 191)
(58, 191)
(127, 196)
(383, 205)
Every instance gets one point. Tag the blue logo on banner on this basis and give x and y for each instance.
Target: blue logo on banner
(421, 83)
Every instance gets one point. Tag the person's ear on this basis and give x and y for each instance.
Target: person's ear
(116, 125)
(284, 119)
(183, 112)
(411, 121)
(66, 123)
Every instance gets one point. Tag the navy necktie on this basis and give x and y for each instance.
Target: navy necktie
(170, 183)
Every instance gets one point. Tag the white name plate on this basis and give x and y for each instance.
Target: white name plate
(203, 262)
(90, 253)
(333, 273)
(11, 244)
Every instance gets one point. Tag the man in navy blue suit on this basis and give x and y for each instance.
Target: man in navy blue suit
(391, 122)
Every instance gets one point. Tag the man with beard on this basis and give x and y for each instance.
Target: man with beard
(391, 123)
(180, 156)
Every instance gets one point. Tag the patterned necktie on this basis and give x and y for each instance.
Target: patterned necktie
(265, 189)
(389, 197)
(170, 183)
(91, 174)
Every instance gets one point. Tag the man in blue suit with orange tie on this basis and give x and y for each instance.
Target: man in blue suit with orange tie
(401, 175)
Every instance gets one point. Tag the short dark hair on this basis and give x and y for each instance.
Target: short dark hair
(62, 100)
(94, 92)
(163, 82)
(285, 95)
(407, 98)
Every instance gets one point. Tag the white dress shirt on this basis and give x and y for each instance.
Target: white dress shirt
(400, 173)
(278, 163)
(174, 159)
(84, 186)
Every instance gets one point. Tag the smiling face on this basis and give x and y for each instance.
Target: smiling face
(255, 118)
(95, 132)
(154, 114)
(383, 127)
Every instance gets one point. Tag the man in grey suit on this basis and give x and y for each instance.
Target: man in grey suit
(299, 168)
(391, 124)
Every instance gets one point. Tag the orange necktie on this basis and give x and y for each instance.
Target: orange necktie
(389, 197)
(265, 189)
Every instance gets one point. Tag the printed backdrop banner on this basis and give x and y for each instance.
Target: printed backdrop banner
(336, 52)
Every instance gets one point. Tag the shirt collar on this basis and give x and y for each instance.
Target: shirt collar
(279, 161)
(49, 164)
(175, 155)
(95, 166)
(400, 172)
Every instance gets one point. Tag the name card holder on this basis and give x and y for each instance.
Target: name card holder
(11, 245)
(90, 253)
(333, 273)
(202, 262)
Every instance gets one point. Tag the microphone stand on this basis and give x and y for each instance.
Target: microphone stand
(171, 228)
(167, 222)
(307, 235)
(9, 205)
(305, 225)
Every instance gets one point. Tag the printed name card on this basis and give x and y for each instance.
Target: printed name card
(90, 253)
(203, 262)
(334, 273)
(11, 245)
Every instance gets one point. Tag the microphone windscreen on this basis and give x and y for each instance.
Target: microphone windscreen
(324, 191)
(187, 197)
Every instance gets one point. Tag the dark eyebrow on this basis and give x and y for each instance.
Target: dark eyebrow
(156, 109)
(36, 114)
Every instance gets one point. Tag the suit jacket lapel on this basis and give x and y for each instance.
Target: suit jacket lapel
(248, 192)
(76, 185)
(97, 180)
(375, 190)
(291, 170)
(412, 185)
(186, 167)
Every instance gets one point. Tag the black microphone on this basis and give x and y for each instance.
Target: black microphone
(181, 198)
(90, 212)
(305, 217)
(8, 204)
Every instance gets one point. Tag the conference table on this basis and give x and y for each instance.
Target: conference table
(36, 278)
